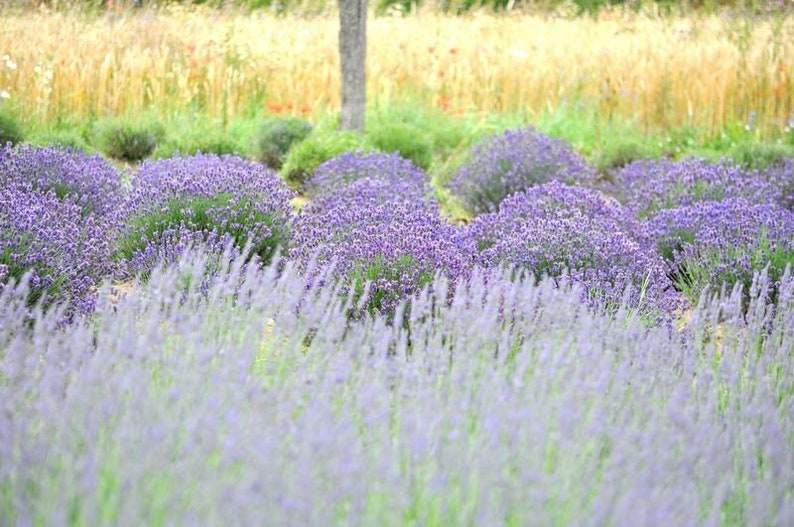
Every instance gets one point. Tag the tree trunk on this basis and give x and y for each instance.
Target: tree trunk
(353, 58)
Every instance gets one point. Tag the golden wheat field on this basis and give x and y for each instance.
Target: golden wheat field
(706, 72)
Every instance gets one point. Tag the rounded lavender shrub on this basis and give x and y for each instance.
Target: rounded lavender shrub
(649, 186)
(781, 176)
(203, 200)
(556, 198)
(350, 167)
(89, 181)
(395, 247)
(561, 231)
(718, 244)
(515, 161)
(367, 192)
(66, 252)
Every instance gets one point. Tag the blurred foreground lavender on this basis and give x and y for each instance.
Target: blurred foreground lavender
(259, 403)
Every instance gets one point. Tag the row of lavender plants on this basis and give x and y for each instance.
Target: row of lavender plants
(220, 391)
(504, 401)
(660, 235)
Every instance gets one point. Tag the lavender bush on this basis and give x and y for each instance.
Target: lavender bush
(275, 137)
(648, 186)
(347, 168)
(558, 230)
(557, 199)
(395, 247)
(88, 181)
(216, 412)
(319, 147)
(203, 200)
(65, 252)
(781, 175)
(367, 192)
(517, 160)
(717, 244)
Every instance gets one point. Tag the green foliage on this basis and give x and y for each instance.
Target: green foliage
(275, 138)
(219, 145)
(620, 153)
(450, 136)
(315, 150)
(10, 129)
(278, 7)
(404, 139)
(128, 141)
(62, 138)
(389, 7)
(193, 133)
(214, 142)
(460, 7)
(594, 6)
(580, 124)
(758, 156)
(451, 7)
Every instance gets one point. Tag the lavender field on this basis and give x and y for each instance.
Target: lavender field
(182, 344)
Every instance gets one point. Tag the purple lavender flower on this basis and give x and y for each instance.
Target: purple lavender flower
(781, 176)
(155, 412)
(347, 168)
(517, 160)
(66, 252)
(88, 181)
(397, 247)
(557, 230)
(649, 185)
(718, 244)
(203, 200)
(562, 200)
(367, 192)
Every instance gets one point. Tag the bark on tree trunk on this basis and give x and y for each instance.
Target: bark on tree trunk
(352, 58)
